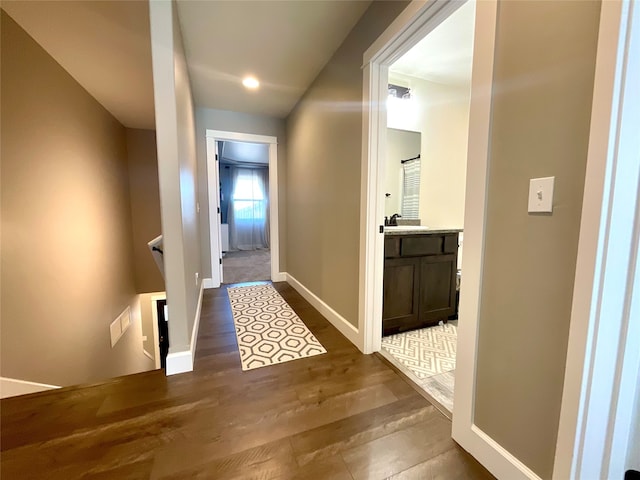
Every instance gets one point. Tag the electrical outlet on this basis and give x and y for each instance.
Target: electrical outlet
(197, 275)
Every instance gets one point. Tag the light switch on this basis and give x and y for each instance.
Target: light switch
(541, 194)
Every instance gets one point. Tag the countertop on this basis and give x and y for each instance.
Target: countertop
(415, 230)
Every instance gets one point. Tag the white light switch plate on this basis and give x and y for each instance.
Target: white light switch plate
(541, 194)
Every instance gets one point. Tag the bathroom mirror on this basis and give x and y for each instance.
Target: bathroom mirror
(402, 176)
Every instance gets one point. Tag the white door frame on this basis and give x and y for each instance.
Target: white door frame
(411, 26)
(418, 19)
(603, 359)
(603, 362)
(212, 180)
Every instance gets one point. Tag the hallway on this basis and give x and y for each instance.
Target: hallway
(337, 415)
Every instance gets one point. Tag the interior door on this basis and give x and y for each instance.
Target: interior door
(163, 331)
(218, 215)
(213, 177)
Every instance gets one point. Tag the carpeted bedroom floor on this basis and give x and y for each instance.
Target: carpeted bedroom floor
(246, 266)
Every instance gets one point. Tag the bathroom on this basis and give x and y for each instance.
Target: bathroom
(425, 181)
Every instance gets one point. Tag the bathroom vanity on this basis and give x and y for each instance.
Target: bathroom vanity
(420, 267)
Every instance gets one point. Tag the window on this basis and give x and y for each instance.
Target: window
(248, 196)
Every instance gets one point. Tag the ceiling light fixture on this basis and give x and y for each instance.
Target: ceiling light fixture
(251, 83)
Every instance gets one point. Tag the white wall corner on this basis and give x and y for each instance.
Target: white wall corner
(11, 387)
(182, 362)
(344, 327)
(208, 283)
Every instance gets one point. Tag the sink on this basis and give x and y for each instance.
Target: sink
(405, 228)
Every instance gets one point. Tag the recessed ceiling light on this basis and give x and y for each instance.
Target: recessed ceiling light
(251, 82)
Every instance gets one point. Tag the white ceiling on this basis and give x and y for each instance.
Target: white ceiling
(284, 44)
(104, 45)
(444, 55)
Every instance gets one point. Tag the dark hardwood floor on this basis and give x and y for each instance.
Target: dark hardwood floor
(341, 415)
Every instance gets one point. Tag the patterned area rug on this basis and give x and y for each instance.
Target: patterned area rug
(267, 328)
(426, 352)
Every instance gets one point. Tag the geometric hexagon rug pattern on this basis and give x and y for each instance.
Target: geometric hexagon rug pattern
(267, 328)
(426, 352)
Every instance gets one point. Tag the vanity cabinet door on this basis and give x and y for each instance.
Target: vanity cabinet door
(437, 287)
(401, 295)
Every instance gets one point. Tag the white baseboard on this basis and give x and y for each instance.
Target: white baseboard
(493, 456)
(179, 362)
(511, 463)
(337, 320)
(11, 387)
(182, 362)
(279, 277)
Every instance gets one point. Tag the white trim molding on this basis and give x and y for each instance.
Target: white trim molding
(182, 362)
(279, 277)
(274, 231)
(603, 359)
(12, 387)
(337, 320)
(179, 362)
(208, 283)
(497, 455)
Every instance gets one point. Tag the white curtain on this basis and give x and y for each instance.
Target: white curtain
(248, 214)
(410, 188)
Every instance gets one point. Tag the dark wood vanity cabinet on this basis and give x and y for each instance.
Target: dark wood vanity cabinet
(419, 280)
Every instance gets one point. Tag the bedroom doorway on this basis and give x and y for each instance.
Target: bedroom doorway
(242, 178)
(244, 211)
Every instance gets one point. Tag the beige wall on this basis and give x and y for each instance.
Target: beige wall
(543, 83)
(177, 171)
(66, 225)
(144, 193)
(223, 120)
(324, 148)
(441, 114)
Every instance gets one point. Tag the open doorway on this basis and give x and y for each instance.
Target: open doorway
(242, 177)
(429, 90)
(244, 211)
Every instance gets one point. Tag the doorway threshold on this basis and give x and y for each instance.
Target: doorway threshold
(414, 381)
